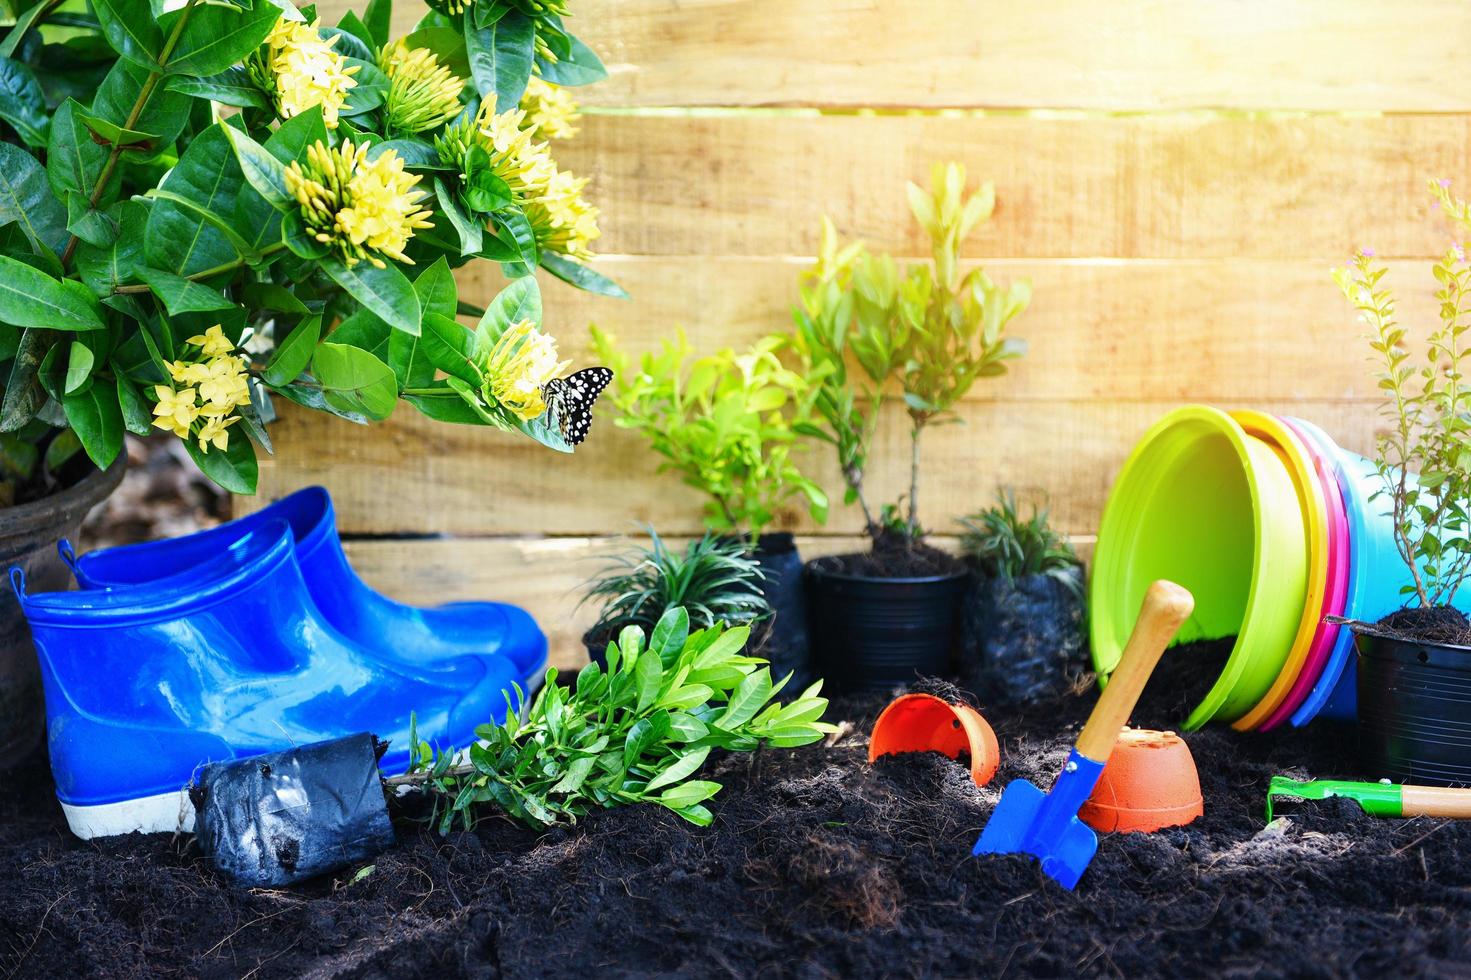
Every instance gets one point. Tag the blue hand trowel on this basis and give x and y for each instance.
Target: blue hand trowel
(1046, 825)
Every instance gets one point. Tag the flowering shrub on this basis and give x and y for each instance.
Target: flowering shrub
(205, 209)
(1424, 449)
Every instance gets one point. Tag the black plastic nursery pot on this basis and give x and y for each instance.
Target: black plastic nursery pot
(1022, 639)
(873, 634)
(28, 536)
(783, 638)
(1414, 710)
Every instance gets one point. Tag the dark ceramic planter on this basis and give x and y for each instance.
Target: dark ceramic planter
(1022, 640)
(28, 536)
(1414, 710)
(873, 634)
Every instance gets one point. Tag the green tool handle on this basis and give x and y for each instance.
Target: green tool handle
(1377, 799)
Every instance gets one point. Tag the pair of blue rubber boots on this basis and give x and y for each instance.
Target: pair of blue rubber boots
(247, 638)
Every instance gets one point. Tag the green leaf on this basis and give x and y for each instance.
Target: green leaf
(435, 288)
(22, 104)
(63, 447)
(217, 36)
(233, 86)
(73, 160)
(500, 56)
(671, 633)
(262, 170)
(180, 240)
(235, 468)
(377, 17)
(521, 300)
(683, 768)
(386, 292)
(468, 231)
(103, 269)
(26, 200)
(137, 412)
(22, 27)
(448, 45)
(370, 91)
(219, 222)
(688, 794)
(580, 275)
(576, 774)
(30, 298)
(485, 193)
(580, 66)
(514, 230)
(97, 419)
(269, 296)
(352, 24)
(746, 700)
(24, 394)
(164, 113)
(131, 29)
(354, 380)
(449, 347)
(79, 365)
(649, 676)
(181, 295)
(294, 353)
(91, 226)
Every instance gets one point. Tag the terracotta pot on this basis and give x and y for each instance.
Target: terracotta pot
(925, 723)
(1149, 783)
(28, 536)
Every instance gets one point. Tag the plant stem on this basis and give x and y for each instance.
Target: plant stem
(914, 433)
(144, 94)
(416, 778)
(220, 269)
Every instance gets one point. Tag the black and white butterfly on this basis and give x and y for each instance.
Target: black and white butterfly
(571, 399)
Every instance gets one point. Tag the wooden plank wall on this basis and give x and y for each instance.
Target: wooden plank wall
(1175, 178)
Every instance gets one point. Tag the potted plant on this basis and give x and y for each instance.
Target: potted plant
(715, 580)
(1022, 617)
(728, 424)
(868, 335)
(1414, 666)
(211, 206)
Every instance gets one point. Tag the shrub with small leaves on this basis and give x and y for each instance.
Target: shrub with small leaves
(636, 732)
(1005, 545)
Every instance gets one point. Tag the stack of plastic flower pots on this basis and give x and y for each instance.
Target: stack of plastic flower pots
(1273, 527)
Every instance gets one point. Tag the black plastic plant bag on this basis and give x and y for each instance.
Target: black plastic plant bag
(284, 817)
(782, 639)
(1023, 640)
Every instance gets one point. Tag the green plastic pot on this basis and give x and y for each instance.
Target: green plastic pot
(1203, 503)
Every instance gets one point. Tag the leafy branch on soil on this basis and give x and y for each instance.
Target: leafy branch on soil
(1424, 454)
(637, 732)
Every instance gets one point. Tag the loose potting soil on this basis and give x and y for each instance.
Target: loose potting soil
(817, 865)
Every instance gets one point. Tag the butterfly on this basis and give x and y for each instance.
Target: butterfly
(571, 399)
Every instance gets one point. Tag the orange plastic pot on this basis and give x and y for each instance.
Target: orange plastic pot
(1149, 783)
(925, 723)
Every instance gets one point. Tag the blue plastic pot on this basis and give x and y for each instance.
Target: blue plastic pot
(145, 683)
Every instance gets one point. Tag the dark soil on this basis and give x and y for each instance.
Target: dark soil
(1437, 624)
(817, 865)
(894, 556)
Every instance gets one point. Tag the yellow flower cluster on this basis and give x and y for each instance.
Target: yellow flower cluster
(422, 93)
(551, 112)
(519, 367)
(301, 70)
(362, 208)
(564, 221)
(212, 385)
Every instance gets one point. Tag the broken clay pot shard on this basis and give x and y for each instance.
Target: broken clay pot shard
(925, 723)
(275, 819)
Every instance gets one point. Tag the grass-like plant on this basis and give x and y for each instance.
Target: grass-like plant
(636, 732)
(867, 334)
(1424, 450)
(1005, 545)
(208, 205)
(715, 580)
(727, 423)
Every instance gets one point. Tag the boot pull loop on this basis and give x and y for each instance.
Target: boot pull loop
(18, 582)
(68, 555)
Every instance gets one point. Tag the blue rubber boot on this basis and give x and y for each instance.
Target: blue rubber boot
(146, 683)
(384, 628)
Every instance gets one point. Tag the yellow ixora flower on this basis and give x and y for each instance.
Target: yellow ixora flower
(216, 431)
(213, 342)
(520, 364)
(551, 112)
(363, 209)
(175, 410)
(216, 383)
(300, 69)
(563, 220)
(422, 93)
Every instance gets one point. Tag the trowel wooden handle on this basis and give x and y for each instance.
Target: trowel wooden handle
(1435, 801)
(1166, 607)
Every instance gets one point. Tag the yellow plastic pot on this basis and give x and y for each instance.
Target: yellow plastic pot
(1203, 503)
(1298, 459)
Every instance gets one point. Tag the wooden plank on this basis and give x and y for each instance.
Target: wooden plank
(544, 576)
(1188, 186)
(1124, 54)
(1205, 330)
(410, 475)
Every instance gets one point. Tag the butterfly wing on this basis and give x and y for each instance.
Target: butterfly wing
(572, 399)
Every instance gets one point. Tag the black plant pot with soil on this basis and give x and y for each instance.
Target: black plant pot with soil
(873, 632)
(28, 536)
(1022, 639)
(1414, 708)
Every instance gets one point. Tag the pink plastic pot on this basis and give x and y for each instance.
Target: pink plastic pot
(1335, 597)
